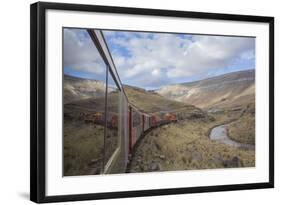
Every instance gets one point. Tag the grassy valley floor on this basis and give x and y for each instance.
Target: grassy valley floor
(185, 145)
(243, 129)
(83, 148)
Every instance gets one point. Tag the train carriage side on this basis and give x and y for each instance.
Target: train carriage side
(124, 123)
(115, 118)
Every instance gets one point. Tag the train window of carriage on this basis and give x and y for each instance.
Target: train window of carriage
(136, 118)
(113, 113)
(84, 91)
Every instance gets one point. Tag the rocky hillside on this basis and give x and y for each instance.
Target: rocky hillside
(75, 88)
(153, 102)
(82, 95)
(228, 90)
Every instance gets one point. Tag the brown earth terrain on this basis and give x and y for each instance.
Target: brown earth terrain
(83, 138)
(224, 100)
(83, 148)
(243, 129)
(83, 134)
(228, 100)
(228, 90)
(186, 145)
(75, 88)
(151, 102)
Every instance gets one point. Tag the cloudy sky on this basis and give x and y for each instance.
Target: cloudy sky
(150, 60)
(80, 56)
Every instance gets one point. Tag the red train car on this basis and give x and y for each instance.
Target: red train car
(140, 122)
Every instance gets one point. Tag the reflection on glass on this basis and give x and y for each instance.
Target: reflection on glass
(112, 131)
(84, 89)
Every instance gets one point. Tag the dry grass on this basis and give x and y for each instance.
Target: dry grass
(243, 130)
(185, 145)
(82, 144)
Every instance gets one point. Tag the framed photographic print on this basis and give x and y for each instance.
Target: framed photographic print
(129, 102)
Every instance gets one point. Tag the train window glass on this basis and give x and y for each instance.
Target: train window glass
(113, 118)
(84, 91)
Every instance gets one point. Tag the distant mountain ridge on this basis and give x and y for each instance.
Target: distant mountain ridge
(227, 90)
(85, 94)
(231, 89)
(75, 88)
(151, 102)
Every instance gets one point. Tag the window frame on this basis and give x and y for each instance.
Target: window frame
(101, 45)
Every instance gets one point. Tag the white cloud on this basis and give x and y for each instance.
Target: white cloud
(174, 56)
(155, 72)
(154, 59)
(248, 55)
(80, 53)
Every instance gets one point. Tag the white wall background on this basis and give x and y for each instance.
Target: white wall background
(14, 101)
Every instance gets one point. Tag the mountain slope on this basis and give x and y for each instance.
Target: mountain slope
(86, 96)
(153, 102)
(75, 88)
(228, 90)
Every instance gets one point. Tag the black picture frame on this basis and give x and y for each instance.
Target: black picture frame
(38, 100)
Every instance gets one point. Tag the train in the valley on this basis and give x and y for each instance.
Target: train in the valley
(131, 126)
(128, 122)
(140, 122)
